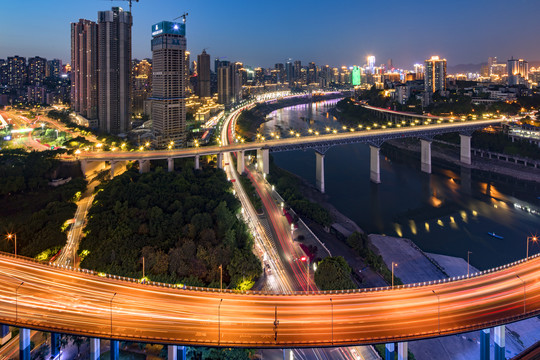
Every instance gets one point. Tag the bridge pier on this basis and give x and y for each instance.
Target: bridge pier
(115, 165)
(220, 160)
(484, 344)
(389, 351)
(320, 171)
(499, 338)
(95, 351)
(425, 155)
(288, 354)
(263, 160)
(197, 162)
(170, 164)
(55, 344)
(115, 350)
(240, 162)
(5, 334)
(403, 351)
(465, 149)
(175, 352)
(89, 167)
(144, 166)
(24, 344)
(375, 164)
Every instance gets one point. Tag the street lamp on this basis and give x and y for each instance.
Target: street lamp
(221, 277)
(306, 259)
(13, 236)
(393, 265)
(529, 238)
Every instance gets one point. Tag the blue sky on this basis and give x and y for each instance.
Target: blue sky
(262, 33)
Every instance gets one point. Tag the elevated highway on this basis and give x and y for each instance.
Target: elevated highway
(53, 298)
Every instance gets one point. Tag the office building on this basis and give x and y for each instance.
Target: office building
(356, 76)
(169, 79)
(84, 75)
(114, 70)
(297, 70)
(203, 75)
(289, 69)
(435, 74)
(371, 64)
(37, 69)
(518, 71)
(16, 71)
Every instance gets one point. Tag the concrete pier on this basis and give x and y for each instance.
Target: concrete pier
(24, 344)
(144, 166)
(220, 160)
(288, 354)
(484, 344)
(465, 149)
(389, 352)
(263, 161)
(55, 344)
(115, 350)
(375, 164)
(170, 164)
(90, 167)
(95, 350)
(5, 334)
(499, 339)
(426, 155)
(320, 171)
(175, 352)
(197, 161)
(240, 162)
(403, 351)
(115, 165)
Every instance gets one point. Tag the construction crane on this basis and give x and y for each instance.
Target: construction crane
(130, 1)
(183, 16)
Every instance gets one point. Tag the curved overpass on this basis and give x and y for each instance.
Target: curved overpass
(51, 298)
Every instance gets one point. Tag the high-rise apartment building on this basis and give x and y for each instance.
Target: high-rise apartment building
(297, 70)
(169, 80)
(203, 75)
(54, 68)
(518, 71)
(312, 76)
(16, 71)
(84, 62)
(141, 77)
(435, 74)
(114, 70)
(37, 69)
(289, 70)
(229, 83)
(3, 72)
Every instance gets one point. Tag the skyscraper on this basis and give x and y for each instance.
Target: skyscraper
(203, 75)
(37, 68)
(356, 76)
(114, 70)
(518, 71)
(16, 71)
(289, 68)
(435, 74)
(54, 68)
(169, 81)
(84, 99)
(297, 70)
(229, 83)
(371, 64)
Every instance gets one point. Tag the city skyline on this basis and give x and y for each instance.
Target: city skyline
(272, 35)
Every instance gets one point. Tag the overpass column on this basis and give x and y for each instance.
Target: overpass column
(175, 352)
(320, 171)
(24, 344)
(465, 153)
(375, 173)
(484, 344)
(115, 350)
(426, 155)
(5, 334)
(144, 166)
(499, 340)
(114, 164)
(55, 344)
(220, 160)
(95, 349)
(240, 162)
(389, 351)
(403, 351)
(288, 354)
(263, 159)
(170, 164)
(197, 158)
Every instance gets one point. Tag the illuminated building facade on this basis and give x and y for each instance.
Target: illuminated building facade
(435, 74)
(518, 71)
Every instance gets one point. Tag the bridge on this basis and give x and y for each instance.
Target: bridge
(61, 299)
(91, 161)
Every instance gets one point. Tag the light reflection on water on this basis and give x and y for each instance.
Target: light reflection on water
(456, 207)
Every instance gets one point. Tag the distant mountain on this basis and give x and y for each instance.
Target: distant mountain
(465, 68)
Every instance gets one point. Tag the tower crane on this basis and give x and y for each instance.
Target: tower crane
(183, 16)
(130, 2)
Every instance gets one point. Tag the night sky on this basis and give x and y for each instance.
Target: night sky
(262, 33)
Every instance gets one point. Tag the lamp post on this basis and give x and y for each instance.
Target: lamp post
(306, 259)
(468, 271)
(13, 236)
(16, 301)
(112, 298)
(438, 310)
(524, 293)
(393, 265)
(220, 278)
(529, 238)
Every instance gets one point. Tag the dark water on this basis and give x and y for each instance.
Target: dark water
(448, 212)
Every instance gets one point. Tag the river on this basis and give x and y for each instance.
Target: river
(448, 212)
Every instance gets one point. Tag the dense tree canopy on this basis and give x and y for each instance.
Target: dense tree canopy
(184, 224)
(333, 273)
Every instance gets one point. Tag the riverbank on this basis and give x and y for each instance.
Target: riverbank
(249, 121)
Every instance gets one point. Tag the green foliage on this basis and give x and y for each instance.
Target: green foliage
(381, 350)
(206, 353)
(184, 224)
(251, 192)
(333, 273)
(353, 115)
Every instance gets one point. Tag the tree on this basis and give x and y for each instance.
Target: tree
(333, 273)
